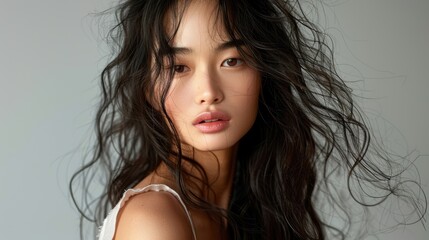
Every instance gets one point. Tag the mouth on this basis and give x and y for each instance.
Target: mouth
(210, 117)
(210, 120)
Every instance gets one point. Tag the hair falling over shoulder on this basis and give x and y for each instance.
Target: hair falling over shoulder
(309, 139)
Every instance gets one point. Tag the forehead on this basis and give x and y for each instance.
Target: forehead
(195, 20)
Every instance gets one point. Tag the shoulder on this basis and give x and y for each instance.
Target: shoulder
(153, 215)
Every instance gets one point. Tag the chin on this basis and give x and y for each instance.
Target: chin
(213, 148)
(213, 145)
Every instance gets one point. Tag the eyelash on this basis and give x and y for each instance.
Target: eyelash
(181, 68)
(176, 67)
(238, 62)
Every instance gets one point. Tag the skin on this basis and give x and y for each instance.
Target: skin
(210, 76)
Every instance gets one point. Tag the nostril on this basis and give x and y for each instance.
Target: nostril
(209, 100)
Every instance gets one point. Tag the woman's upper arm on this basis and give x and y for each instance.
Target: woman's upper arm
(153, 216)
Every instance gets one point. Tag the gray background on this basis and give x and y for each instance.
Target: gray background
(51, 54)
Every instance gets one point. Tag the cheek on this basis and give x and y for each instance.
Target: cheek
(176, 101)
(246, 87)
(244, 93)
(252, 91)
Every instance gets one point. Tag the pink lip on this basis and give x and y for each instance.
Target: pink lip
(221, 121)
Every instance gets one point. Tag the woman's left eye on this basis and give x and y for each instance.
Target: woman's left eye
(232, 62)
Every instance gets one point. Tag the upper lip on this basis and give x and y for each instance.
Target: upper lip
(221, 116)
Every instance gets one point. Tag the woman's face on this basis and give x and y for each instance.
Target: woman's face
(213, 98)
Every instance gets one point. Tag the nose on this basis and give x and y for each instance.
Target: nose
(208, 89)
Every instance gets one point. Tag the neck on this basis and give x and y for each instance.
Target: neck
(220, 169)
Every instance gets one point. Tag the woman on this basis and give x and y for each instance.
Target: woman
(227, 121)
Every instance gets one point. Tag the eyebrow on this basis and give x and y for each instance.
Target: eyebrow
(221, 47)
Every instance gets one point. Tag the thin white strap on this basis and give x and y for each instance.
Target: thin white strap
(163, 187)
(107, 231)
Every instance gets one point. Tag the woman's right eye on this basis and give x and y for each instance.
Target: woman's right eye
(180, 68)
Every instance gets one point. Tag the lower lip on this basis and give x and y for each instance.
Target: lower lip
(212, 127)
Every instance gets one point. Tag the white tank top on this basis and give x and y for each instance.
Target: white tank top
(107, 231)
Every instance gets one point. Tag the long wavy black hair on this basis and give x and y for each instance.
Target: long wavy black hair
(307, 130)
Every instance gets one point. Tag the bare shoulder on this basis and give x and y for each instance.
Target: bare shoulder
(153, 215)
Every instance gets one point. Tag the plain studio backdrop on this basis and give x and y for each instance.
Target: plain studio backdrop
(51, 54)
